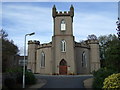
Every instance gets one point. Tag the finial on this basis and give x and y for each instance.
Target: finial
(71, 6)
(54, 6)
(54, 11)
(71, 11)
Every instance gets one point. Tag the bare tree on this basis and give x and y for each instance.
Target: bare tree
(3, 34)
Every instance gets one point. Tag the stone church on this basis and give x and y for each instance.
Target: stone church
(63, 55)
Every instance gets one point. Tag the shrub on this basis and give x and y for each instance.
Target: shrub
(112, 81)
(19, 78)
(29, 76)
(71, 73)
(100, 75)
(9, 82)
(14, 70)
(55, 74)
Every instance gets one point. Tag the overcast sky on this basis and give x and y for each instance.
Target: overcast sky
(20, 18)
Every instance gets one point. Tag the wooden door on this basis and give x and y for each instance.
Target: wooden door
(63, 67)
(62, 70)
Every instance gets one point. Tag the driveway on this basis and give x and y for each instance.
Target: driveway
(64, 81)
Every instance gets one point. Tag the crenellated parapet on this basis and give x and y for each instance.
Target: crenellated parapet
(45, 45)
(34, 42)
(82, 45)
(60, 13)
(92, 41)
(86, 44)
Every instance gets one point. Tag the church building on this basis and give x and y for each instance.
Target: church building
(63, 55)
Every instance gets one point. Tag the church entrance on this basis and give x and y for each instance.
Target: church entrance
(63, 67)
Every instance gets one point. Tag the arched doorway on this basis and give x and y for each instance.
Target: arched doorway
(63, 67)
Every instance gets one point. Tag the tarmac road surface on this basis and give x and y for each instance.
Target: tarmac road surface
(64, 81)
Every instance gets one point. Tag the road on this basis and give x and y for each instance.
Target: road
(64, 81)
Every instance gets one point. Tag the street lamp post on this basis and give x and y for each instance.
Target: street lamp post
(24, 58)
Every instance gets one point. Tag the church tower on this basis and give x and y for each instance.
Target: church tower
(63, 42)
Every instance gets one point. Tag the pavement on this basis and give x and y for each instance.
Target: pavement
(42, 83)
(85, 81)
(88, 83)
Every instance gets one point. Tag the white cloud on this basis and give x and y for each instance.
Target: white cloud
(0, 16)
(23, 19)
(61, 1)
(89, 23)
(26, 19)
(27, 16)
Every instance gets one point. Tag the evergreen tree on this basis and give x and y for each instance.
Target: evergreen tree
(110, 51)
(8, 49)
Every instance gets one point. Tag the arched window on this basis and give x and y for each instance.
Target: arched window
(63, 46)
(84, 62)
(42, 63)
(63, 25)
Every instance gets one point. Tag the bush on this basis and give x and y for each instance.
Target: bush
(71, 73)
(9, 82)
(29, 76)
(14, 70)
(112, 81)
(55, 74)
(100, 75)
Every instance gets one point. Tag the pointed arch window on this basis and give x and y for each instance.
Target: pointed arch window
(63, 25)
(42, 63)
(84, 62)
(63, 46)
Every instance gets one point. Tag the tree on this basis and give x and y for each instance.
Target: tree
(103, 46)
(92, 37)
(8, 50)
(113, 54)
(110, 51)
(3, 34)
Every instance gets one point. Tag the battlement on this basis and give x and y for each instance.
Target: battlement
(65, 13)
(33, 42)
(45, 45)
(86, 44)
(92, 41)
(60, 13)
(82, 45)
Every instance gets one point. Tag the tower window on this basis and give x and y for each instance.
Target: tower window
(84, 62)
(42, 63)
(63, 25)
(63, 46)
